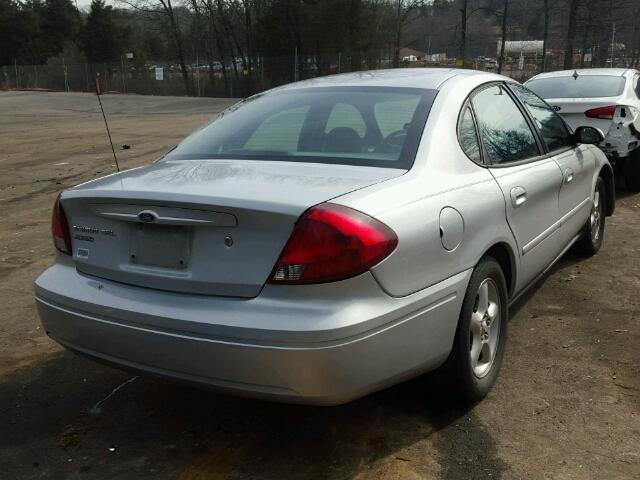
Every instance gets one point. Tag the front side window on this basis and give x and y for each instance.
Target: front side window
(369, 126)
(555, 133)
(504, 131)
(468, 137)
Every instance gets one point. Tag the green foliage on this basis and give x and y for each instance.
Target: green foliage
(60, 23)
(255, 40)
(35, 30)
(103, 39)
(13, 29)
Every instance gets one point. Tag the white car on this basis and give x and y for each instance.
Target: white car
(605, 98)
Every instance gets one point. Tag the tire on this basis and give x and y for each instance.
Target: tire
(593, 235)
(463, 376)
(632, 171)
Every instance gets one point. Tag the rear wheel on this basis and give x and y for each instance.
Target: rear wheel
(593, 236)
(632, 171)
(478, 348)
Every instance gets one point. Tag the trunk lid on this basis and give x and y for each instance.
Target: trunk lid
(208, 227)
(572, 110)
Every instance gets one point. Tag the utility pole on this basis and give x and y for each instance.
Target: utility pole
(504, 35)
(124, 88)
(545, 35)
(463, 33)
(66, 76)
(613, 42)
(198, 74)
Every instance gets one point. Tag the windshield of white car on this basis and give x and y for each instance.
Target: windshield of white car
(583, 86)
(369, 126)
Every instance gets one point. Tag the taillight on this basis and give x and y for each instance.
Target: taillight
(331, 242)
(605, 113)
(60, 228)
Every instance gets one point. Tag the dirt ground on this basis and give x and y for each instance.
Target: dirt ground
(566, 405)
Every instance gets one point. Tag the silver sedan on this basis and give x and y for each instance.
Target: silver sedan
(329, 238)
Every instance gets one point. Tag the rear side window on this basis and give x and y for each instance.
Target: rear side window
(468, 136)
(344, 115)
(279, 132)
(582, 86)
(394, 114)
(504, 131)
(555, 133)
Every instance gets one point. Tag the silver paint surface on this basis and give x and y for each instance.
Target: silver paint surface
(218, 322)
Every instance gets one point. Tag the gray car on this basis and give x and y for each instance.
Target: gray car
(329, 238)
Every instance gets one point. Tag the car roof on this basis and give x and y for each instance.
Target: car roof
(428, 78)
(616, 72)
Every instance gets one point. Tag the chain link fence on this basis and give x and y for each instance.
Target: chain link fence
(234, 79)
(110, 78)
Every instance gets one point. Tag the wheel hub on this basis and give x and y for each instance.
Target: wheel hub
(596, 216)
(484, 331)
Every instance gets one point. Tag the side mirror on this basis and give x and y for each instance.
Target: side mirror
(588, 135)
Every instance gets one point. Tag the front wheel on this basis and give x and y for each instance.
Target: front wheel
(478, 348)
(593, 236)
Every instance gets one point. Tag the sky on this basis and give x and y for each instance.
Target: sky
(85, 3)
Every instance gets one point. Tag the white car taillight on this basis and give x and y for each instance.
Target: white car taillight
(605, 113)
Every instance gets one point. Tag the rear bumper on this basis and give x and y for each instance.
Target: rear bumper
(344, 345)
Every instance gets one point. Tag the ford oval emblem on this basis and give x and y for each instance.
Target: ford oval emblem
(146, 217)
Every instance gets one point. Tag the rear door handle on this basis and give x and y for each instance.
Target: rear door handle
(518, 196)
(568, 175)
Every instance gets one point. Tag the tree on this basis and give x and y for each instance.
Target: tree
(545, 35)
(60, 24)
(249, 45)
(14, 30)
(571, 32)
(102, 37)
(504, 35)
(403, 8)
(635, 58)
(463, 32)
(166, 10)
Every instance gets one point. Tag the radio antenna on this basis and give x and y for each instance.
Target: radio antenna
(105, 120)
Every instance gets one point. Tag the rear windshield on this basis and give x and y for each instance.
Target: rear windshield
(584, 86)
(370, 126)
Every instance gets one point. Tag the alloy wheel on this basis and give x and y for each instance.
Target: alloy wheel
(484, 329)
(596, 216)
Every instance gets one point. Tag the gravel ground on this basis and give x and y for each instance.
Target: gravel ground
(565, 407)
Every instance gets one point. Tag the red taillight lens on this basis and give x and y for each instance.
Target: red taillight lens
(331, 242)
(606, 113)
(60, 228)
